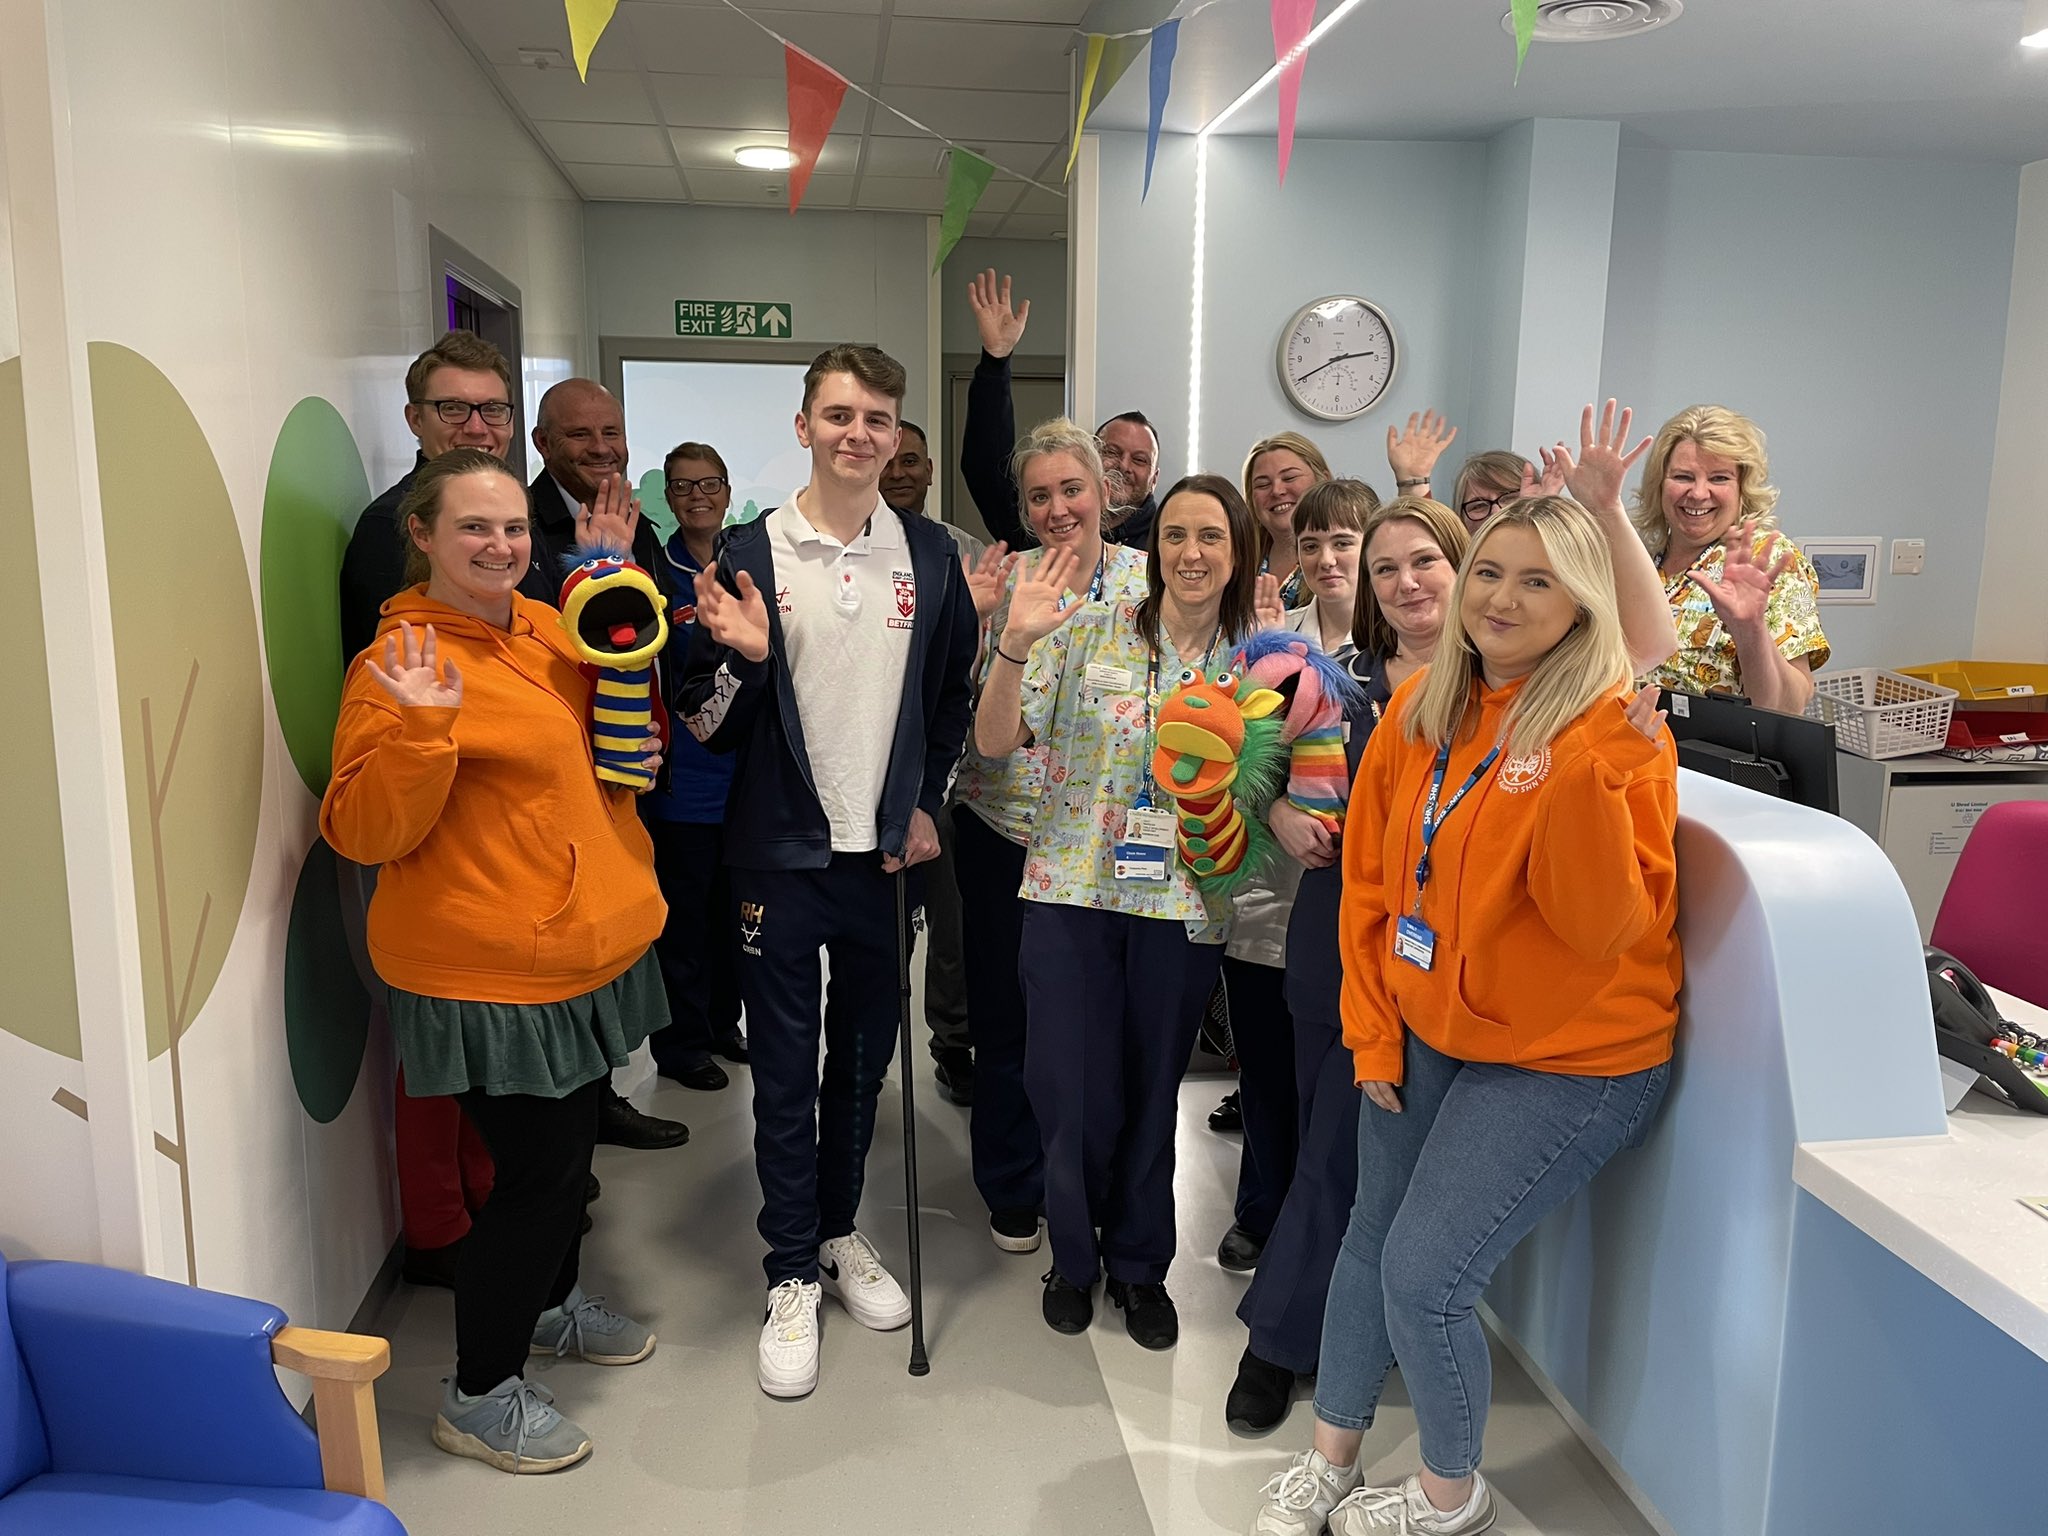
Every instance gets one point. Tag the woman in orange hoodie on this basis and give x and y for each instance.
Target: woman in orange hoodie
(1511, 974)
(515, 905)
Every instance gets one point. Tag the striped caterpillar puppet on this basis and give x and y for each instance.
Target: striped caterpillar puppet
(616, 621)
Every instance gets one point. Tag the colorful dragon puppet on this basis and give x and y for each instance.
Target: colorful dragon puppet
(616, 621)
(1227, 745)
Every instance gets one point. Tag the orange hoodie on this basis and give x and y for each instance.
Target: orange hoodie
(1553, 894)
(510, 875)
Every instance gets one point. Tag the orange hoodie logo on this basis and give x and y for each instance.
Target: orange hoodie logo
(1518, 775)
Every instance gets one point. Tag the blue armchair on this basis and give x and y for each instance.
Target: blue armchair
(131, 1406)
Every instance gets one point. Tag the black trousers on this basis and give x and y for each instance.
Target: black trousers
(1009, 1167)
(945, 968)
(1264, 1036)
(699, 944)
(524, 1246)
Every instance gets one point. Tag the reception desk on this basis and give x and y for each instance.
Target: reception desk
(1715, 1314)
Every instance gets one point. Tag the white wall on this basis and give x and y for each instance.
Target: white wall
(1857, 311)
(2012, 620)
(253, 187)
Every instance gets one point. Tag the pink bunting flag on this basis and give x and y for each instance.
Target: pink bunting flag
(815, 92)
(1291, 22)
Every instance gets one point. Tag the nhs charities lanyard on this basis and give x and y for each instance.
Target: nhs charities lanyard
(1415, 940)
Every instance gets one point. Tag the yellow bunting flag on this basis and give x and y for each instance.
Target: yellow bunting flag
(587, 21)
(1090, 68)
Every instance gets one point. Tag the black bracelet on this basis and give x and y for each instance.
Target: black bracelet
(1015, 661)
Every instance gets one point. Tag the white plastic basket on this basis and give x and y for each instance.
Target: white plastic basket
(1877, 713)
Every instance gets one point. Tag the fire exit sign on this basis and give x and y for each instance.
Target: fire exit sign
(732, 317)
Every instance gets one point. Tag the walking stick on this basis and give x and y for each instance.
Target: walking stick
(919, 1365)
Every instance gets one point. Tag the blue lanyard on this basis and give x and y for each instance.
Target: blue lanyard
(1095, 586)
(1152, 705)
(1432, 822)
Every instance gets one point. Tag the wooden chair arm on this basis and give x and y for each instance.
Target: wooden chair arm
(343, 1368)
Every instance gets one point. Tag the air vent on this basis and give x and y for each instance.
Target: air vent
(1598, 21)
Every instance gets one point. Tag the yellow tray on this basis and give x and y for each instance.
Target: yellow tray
(1980, 680)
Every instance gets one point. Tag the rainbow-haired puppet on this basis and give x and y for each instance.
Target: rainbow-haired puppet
(1317, 691)
(616, 621)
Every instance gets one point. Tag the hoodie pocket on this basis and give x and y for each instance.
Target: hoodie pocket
(612, 912)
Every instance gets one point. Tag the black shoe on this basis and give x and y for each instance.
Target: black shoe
(1239, 1251)
(733, 1050)
(592, 1190)
(1227, 1116)
(431, 1266)
(619, 1124)
(1149, 1315)
(1015, 1231)
(706, 1078)
(1260, 1396)
(955, 1072)
(1067, 1308)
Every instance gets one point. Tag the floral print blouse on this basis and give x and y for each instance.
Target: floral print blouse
(1705, 661)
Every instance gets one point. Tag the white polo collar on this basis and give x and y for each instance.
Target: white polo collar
(882, 531)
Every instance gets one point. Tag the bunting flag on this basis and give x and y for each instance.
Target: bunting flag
(815, 92)
(1091, 67)
(587, 21)
(967, 177)
(1291, 22)
(1165, 41)
(1118, 55)
(1525, 29)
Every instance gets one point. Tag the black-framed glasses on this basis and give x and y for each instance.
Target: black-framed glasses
(455, 413)
(710, 485)
(1485, 506)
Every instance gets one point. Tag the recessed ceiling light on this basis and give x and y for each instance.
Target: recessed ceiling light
(2034, 25)
(1598, 21)
(764, 157)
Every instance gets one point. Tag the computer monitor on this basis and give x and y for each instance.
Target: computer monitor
(1730, 738)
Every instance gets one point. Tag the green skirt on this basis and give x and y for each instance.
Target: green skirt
(548, 1050)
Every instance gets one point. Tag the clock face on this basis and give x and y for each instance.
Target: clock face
(1337, 357)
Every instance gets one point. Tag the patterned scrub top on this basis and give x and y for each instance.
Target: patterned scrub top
(1005, 791)
(1097, 741)
(1705, 661)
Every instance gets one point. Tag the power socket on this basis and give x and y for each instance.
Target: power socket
(1909, 557)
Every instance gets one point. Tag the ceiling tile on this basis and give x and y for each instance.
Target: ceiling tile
(766, 189)
(682, 40)
(712, 149)
(907, 194)
(556, 95)
(972, 116)
(920, 156)
(1025, 226)
(1036, 201)
(830, 7)
(707, 101)
(1066, 13)
(979, 55)
(500, 28)
(606, 143)
(636, 183)
(983, 223)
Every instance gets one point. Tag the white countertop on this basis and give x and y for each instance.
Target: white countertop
(1950, 1205)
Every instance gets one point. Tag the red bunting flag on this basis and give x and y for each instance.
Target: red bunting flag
(815, 92)
(1291, 22)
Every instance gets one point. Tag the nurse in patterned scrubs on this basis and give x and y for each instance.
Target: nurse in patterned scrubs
(1744, 597)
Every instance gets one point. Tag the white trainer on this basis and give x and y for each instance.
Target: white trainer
(789, 1340)
(1300, 1499)
(851, 1270)
(1406, 1511)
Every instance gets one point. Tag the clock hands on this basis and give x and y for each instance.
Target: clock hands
(1341, 357)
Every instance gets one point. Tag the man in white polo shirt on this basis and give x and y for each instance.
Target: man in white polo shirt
(834, 641)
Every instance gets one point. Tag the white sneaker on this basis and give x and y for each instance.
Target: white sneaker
(1406, 1511)
(851, 1270)
(1300, 1499)
(789, 1340)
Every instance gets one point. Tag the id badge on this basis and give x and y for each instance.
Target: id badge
(1104, 678)
(1415, 942)
(1148, 828)
(1136, 861)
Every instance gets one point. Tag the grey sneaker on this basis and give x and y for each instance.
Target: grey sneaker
(512, 1427)
(584, 1325)
(1406, 1511)
(1300, 1499)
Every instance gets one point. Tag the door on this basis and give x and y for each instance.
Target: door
(1037, 395)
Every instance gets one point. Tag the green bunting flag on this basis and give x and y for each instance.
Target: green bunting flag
(967, 177)
(1525, 29)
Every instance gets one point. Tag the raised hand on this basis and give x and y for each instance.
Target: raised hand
(611, 518)
(1643, 712)
(739, 622)
(1035, 607)
(1412, 454)
(987, 576)
(413, 674)
(1604, 459)
(1551, 479)
(1001, 327)
(1306, 838)
(1267, 608)
(1746, 580)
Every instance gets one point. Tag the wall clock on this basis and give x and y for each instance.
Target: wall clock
(1337, 357)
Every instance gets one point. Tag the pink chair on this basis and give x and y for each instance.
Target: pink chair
(1994, 915)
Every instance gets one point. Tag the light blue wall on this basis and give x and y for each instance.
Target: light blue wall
(1497, 295)
(1039, 270)
(1856, 309)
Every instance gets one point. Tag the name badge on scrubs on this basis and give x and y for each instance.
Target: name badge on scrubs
(1148, 828)
(1104, 678)
(1415, 942)
(1137, 861)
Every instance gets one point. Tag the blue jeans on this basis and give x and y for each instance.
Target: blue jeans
(1479, 1154)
